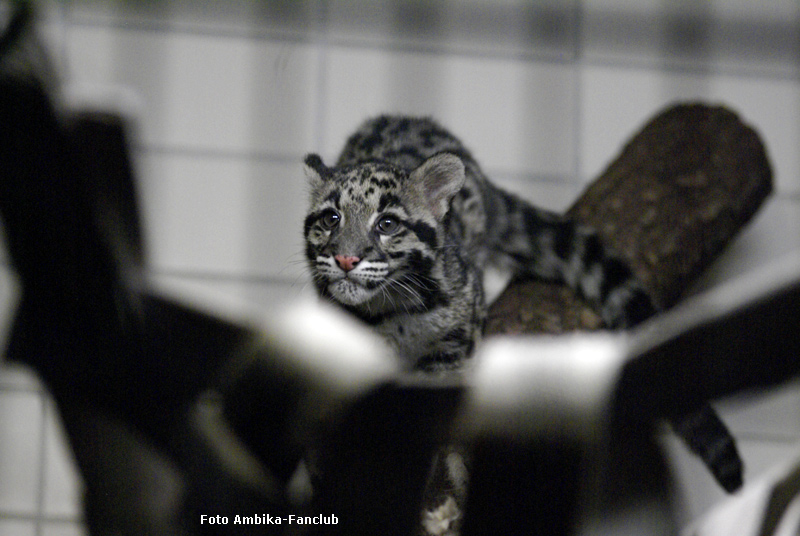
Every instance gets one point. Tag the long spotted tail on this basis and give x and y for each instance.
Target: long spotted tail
(549, 246)
(708, 437)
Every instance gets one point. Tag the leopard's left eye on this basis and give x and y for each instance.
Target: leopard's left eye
(387, 225)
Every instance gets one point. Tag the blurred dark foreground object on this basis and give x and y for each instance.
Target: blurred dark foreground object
(178, 416)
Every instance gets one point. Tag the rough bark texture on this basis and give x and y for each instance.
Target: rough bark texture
(677, 194)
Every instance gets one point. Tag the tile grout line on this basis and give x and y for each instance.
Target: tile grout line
(323, 59)
(577, 70)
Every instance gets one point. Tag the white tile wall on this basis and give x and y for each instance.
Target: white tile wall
(704, 36)
(612, 96)
(205, 92)
(21, 445)
(492, 103)
(10, 527)
(223, 215)
(545, 94)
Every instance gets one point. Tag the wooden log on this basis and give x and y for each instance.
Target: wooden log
(679, 191)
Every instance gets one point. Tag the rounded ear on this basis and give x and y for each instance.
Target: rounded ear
(315, 170)
(438, 179)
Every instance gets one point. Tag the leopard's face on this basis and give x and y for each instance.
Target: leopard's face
(369, 244)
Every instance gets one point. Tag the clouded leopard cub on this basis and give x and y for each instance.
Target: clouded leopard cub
(401, 230)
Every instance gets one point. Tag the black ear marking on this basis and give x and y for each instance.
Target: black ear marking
(315, 169)
(314, 161)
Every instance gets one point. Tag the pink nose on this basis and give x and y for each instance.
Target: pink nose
(346, 263)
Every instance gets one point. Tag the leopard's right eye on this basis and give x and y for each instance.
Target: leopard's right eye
(329, 219)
